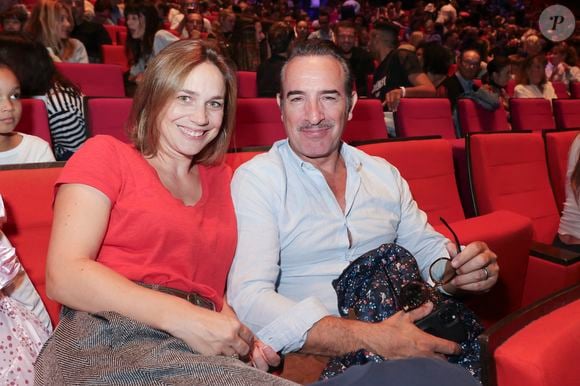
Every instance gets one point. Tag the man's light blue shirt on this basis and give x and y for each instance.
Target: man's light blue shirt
(293, 237)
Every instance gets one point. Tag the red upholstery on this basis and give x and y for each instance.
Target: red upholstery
(247, 87)
(509, 172)
(115, 55)
(95, 80)
(531, 114)
(235, 159)
(561, 90)
(28, 194)
(367, 122)
(567, 113)
(511, 85)
(475, 119)
(122, 36)
(34, 119)
(424, 116)
(428, 168)
(109, 116)
(575, 90)
(540, 354)
(258, 123)
(557, 147)
(112, 31)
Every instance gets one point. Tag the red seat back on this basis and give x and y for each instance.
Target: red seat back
(27, 191)
(367, 122)
(531, 114)
(115, 55)
(567, 113)
(575, 90)
(235, 159)
(557, 148)
(561, 90)
(258, 123)
(508, 171)
(112, 31)
(247, 87)
(95, 80)
(427, 165)
(34, 119)
(417, 117)
(109, 116)
(511, 85)
(475, 119)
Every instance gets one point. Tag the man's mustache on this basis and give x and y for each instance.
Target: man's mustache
(325, 124)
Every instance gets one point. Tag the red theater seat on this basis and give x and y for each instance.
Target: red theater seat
(567, 113)
(367, 122)
(236, 158)
(258, 123)
(557, 148)
(112, 31)
(531, 114)
(575, 90)
(109, 116)
(536, 345)
(561, 90)
(34, 119)
(475, 119)
(27, 191)
(95, 80)
(416, 117)
(247, 87)
(115, 55)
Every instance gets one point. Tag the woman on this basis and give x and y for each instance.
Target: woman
(498, 76)
(16, 148)
(39, 79)
(564, 65)
(140, 228)
(50, 23)
(568, 236)
(531, 80)
(144, 39)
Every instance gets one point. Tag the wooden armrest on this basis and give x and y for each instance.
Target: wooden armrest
(554, 254)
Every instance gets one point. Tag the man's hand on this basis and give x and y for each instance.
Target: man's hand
(392, 99)
(476, 267)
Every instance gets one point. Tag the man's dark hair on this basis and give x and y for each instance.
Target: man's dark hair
(279, 37)
(390, 30)
(318, 47)
(345, 24)
(436, 58)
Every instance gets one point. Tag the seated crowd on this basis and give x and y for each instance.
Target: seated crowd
(245, 270)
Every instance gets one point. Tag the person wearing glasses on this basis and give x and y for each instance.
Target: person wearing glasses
(461, 82)
(311, 206)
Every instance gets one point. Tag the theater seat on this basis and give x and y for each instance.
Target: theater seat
(109, 116)
(247, 87)
(258, 123)
(236, 158)
(567, 113)
(115, 55)
(112, 31)
(561, 90)
(557, 148)
(367, 122)
(531, 114)
(27, 191)
(535, 346)
(95, 80)
(575, 90)
(34, 119)
(475, 119)
(416, 117)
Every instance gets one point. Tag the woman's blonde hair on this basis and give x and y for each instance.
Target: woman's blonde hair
(163, 78)
(42, 26)
(522, 76)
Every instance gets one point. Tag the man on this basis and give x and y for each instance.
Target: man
(301, 31)
(312, 205)
(462, 81)
(360, 61)
(324, 31)
(399, 74)
(268, 74)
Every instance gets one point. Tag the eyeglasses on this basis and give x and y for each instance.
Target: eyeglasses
(470, 64)
(415, 293)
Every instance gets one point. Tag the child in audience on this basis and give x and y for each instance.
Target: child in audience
(16, 147)
(532, 81)
(569, 231)
(24, 322)
(498, 75)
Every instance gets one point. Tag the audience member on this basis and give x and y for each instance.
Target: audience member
(50, 23)
(301, 31)
(324, 32)
(90, 31)
(531, 79)
(498, 76)
(39, 79)
(14, 19)
(563, 66)
(16, 148)
(360, 61)
(462, 81)
(268, 75)
(568, 236)
(399, 74)
(435, 60)
(280, 283)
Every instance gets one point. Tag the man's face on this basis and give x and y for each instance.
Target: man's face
(314, 106)
(302, 28)
(12, 25)
(373, 43)
(345, 39)
(469, 65)
(194, 22)
(323, 23)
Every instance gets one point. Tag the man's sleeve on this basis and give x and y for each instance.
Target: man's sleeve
(277, 320)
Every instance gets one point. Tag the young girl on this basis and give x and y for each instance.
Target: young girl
(16, 147)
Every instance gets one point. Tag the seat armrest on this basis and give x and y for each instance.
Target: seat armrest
(554, 254)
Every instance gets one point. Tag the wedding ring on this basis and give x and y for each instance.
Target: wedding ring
(486, 273)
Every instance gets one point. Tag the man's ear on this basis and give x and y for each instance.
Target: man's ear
(279, 102)
(353, 100)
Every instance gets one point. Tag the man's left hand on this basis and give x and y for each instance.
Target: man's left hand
(476, 267)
